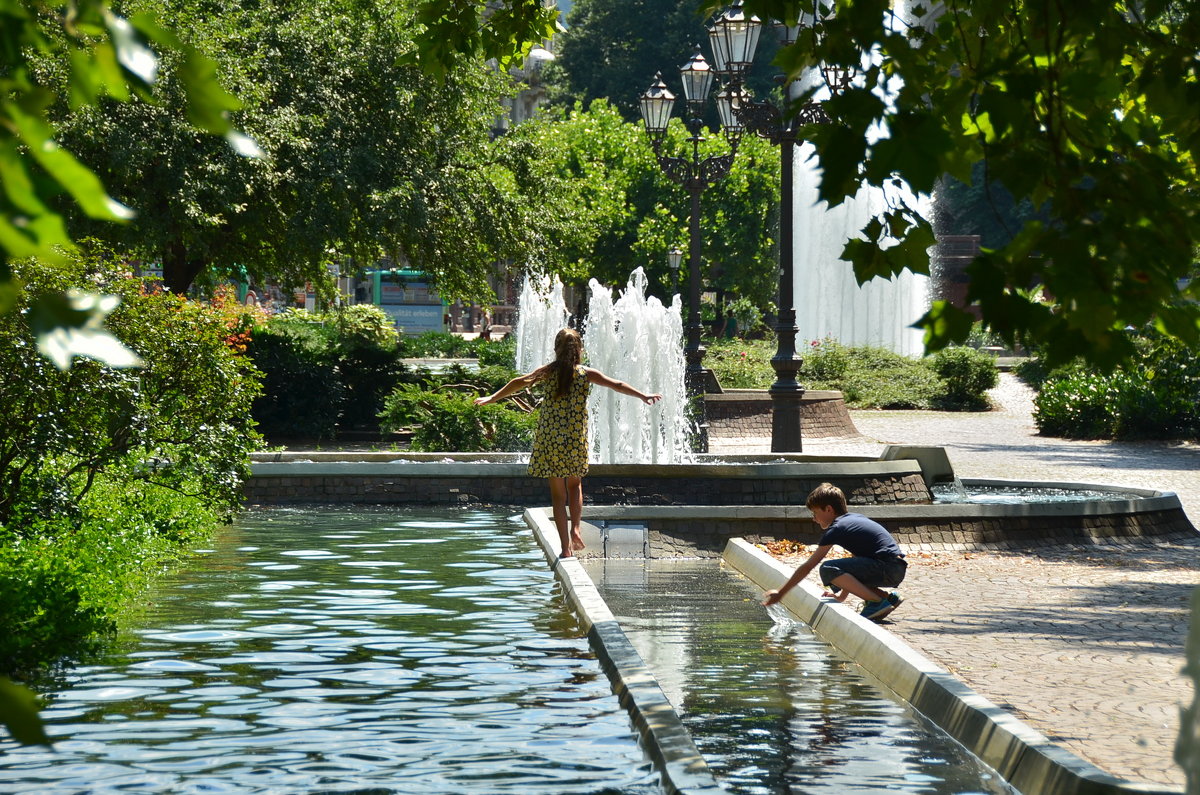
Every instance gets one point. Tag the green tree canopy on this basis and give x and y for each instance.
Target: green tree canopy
(626, 214)
(1087, 111)
(366, 155)
(612, 49)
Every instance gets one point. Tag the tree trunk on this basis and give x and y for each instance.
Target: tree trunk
(178, 270)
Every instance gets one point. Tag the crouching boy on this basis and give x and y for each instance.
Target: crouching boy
(877, 560)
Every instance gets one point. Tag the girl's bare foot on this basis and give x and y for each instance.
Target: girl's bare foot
(577, 541)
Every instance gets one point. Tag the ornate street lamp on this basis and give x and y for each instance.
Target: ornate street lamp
(674, 260)
(736, 36)
(695, 174)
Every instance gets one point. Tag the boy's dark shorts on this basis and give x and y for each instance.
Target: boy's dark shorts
(869, 571)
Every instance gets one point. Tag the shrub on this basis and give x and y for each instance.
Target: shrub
(909, 385)
(324, 371)
(498, 354)
(1076, 406)
(449, 421)
(870, 377)
(826, 361)
(438, 345)
(302, 392)
(741, 364)
(968, 374)
(64, 581)
(105, 473)
(1156, 397)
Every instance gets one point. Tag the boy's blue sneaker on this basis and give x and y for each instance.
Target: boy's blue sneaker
(895, 598)
(877, 610)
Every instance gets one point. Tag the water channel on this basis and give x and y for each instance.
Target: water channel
(772, 707)
(431, 651)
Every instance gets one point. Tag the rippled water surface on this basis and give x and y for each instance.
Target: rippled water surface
(774, 709)
(338, 651)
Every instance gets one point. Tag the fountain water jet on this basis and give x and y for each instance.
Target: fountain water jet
(541, 312)
(829, 300)
(633, 338)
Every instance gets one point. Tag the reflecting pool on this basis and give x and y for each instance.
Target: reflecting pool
(773, 708)
(345, 651)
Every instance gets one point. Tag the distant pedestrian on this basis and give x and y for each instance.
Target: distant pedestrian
(560, 441)
(876, 559)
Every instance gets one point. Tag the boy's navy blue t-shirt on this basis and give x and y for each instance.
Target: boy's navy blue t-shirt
(861, 537)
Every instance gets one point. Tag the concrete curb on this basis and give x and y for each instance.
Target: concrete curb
(1025, 758)
(664, 737)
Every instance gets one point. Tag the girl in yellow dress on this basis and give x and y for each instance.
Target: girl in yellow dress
(560, 442)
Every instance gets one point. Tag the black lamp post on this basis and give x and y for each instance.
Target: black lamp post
(734, 38)
(694, 174)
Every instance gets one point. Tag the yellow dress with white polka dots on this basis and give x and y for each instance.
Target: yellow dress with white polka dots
(560, 443)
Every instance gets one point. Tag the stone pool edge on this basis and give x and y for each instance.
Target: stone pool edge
(667, 742)
(1024, 757)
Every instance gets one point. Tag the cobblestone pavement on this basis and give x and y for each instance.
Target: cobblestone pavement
(1083, 643)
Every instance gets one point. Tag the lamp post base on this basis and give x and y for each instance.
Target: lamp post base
(785, 418)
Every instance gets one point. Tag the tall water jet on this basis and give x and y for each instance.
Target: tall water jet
(633, 338)
(637, 340)
(828, 298)
(541, 312)
(829, 301)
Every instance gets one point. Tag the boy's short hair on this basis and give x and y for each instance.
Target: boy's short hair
(827, 495)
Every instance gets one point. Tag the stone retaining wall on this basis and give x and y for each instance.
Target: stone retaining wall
(684, 488)
(747, 413)
(703, 532)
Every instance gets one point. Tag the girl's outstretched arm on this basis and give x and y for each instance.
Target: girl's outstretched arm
(600, 379)
(514, 386)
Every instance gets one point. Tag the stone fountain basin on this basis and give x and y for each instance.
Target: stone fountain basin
(500, 478)
(1126, 515)
(692, 510)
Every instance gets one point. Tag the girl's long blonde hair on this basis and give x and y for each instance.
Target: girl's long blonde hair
(568, 354)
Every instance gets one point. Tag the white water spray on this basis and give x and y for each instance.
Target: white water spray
(541, 312)
(634, 339)
(828, 299)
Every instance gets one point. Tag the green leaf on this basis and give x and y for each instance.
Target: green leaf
(209, 103)
(8, 293)
(915, 147)
(841, 154)
(19, 714)
(944, 324)
(132, 53)
(83, 185)
(71, 324)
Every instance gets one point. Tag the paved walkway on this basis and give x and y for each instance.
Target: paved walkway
(1084, 644)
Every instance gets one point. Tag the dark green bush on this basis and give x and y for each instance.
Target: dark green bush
(302, 391)
(324, 371)
(968, 374)
(1157, 396)
(449, 421)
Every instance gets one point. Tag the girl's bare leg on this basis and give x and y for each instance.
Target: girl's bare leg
(575, 502)
(558, 500)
